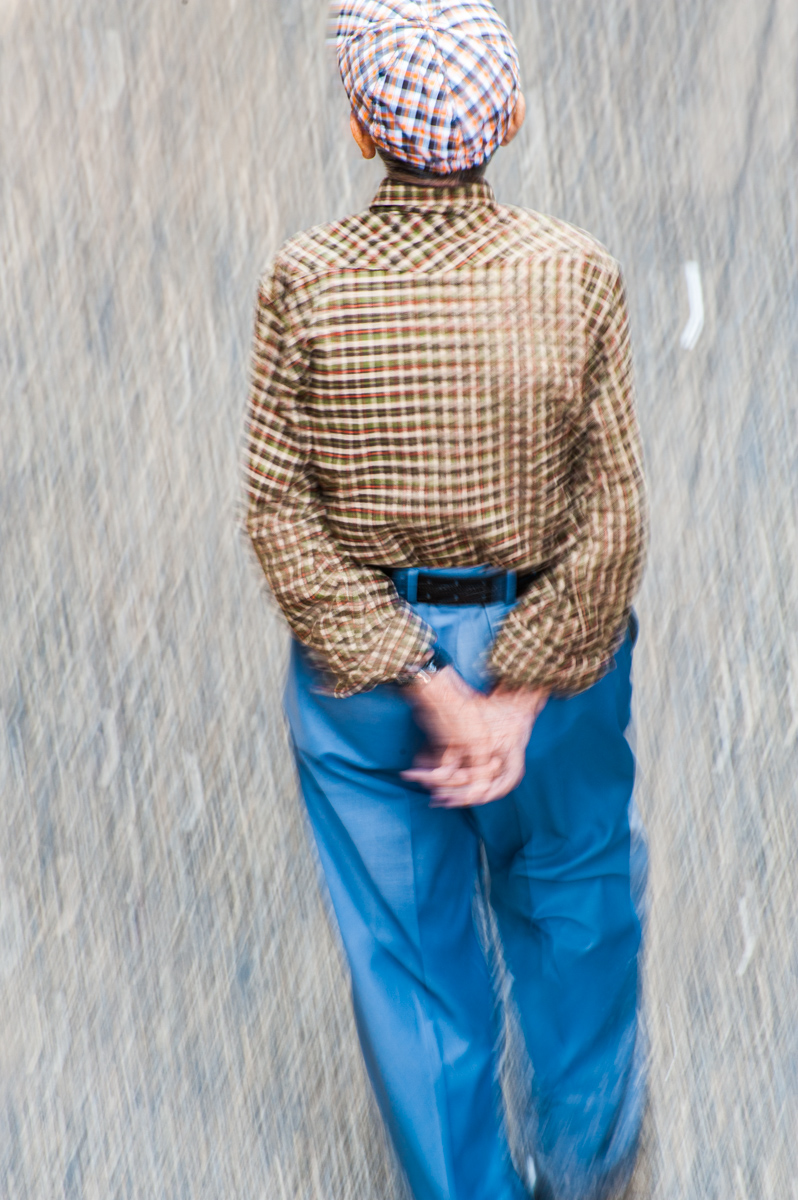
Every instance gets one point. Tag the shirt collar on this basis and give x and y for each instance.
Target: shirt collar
(391, 194)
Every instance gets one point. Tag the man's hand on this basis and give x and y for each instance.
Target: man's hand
(477, 742)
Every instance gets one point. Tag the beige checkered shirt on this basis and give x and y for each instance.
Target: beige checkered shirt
(444, 381)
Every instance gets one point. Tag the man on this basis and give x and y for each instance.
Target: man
(446, 497)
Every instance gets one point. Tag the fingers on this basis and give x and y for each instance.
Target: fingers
(475, 769)
(480, 787)
(434, 766)
(455, 775)
(426, 759)
(456, 764)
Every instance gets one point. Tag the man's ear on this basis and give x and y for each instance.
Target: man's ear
(516, 120)
(362, 137)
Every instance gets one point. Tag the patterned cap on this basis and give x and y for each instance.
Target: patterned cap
(435, 84)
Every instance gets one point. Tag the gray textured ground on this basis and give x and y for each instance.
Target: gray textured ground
(174, 1018)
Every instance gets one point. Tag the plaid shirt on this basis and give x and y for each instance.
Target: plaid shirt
(442, 381)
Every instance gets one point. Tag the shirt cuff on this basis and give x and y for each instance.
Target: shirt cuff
(406, 642)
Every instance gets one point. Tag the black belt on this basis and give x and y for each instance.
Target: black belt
(418, 586)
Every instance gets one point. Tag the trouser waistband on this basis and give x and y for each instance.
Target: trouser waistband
(495, 586)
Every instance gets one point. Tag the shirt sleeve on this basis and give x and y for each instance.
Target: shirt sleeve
(563, 632)
(350, 616)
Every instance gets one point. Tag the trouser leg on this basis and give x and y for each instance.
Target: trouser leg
(402, 877)
(559, 855)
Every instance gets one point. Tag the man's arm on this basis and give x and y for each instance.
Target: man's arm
(563, 632)
(350, 615)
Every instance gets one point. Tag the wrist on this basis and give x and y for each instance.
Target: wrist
(526, 700)
(445, 690)
(420, 674)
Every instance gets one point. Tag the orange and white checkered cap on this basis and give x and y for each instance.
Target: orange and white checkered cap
(435, 84)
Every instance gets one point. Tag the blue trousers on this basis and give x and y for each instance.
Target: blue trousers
(566, 887)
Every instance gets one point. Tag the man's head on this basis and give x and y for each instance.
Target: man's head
(432, 85)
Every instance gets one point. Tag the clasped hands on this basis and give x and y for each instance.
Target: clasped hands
(477, 742)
